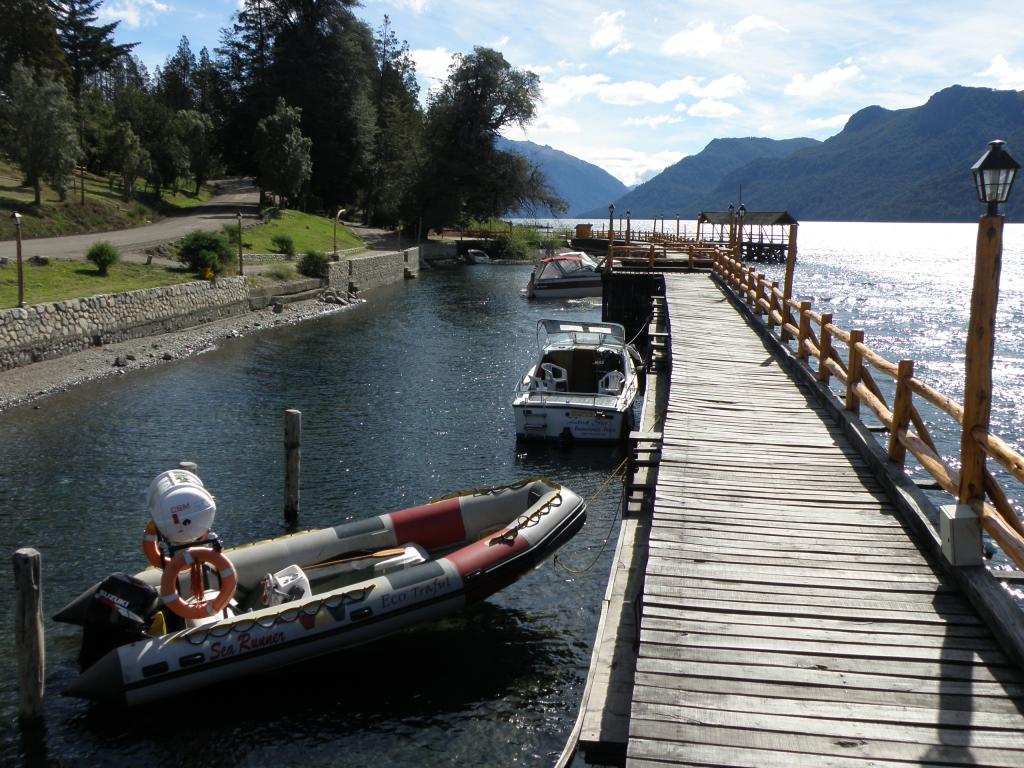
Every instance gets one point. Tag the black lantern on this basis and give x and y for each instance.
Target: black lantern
(993, 175)
(611, 209)
(742, 211)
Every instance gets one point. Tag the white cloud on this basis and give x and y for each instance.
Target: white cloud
(608, 33)
(828, 122)
(818, 84)
(132, 13)
(654, 121)
(629, 165)
(632, 93)
(432, 64)
(712, 108)
(1003, 75)
(555, 124)
(704, 39)
(499, 43)
(542, 69)
(415, 6)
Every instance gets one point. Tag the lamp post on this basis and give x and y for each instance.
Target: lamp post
(21, 274)
(740, 213)
(677, 226)
(336, 217)
(732, 225)
(238, 216)
(993, 176)
(611, 240)
(627, 230)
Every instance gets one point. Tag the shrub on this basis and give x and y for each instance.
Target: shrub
(271, 212)
(204, 252)
(284, 244)
(231, 233)
(314, 264)
(103, 254)
(280, 271)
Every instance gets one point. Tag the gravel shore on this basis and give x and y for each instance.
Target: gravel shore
(19, 386)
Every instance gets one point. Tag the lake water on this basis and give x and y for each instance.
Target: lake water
(404, 399)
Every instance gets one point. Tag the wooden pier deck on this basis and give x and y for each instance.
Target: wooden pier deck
(788, 618)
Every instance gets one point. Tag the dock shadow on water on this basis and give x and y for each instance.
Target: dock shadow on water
(405, 399)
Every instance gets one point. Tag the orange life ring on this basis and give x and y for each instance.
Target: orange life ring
(197, 607)
(150, 547)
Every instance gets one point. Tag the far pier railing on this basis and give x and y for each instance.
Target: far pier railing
(816, 338)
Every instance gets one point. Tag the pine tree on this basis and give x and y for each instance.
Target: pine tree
(89, 48)
(28, 33)
(176, 80)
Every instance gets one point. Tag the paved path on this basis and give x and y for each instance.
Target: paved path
(237, 195)
(788, 619)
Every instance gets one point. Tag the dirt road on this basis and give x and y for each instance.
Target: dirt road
(236, 195)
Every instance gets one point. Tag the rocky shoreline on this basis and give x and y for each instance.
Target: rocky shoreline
(29, 383)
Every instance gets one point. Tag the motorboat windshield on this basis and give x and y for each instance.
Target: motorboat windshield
(571, 334)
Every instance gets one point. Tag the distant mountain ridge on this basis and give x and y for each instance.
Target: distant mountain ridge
(682, 189)
(581, 184)
(890, 165)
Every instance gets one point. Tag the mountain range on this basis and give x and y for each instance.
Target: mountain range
(885, 165)
(581, 184)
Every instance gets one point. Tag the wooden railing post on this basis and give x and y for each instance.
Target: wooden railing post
(825, 348)
(787, 286)
(748, 286)
(901, 408)
(759, 294)
(773, 304)
(980, 346)
(804, 329)
(650, 258)
(853, 371)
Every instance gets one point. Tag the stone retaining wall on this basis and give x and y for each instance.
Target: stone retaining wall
(371, 270)
(45, 331)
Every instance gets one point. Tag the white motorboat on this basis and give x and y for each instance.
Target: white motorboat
(476, 256)
(583, 385)
(302, 595)
(570, 275)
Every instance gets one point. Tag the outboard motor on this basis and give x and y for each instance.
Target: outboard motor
(120, 611)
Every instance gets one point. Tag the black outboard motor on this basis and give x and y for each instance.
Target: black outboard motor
(120, 611)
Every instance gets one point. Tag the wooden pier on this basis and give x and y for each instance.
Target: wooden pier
(785, 601)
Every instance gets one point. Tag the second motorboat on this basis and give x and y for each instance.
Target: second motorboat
(582, 386)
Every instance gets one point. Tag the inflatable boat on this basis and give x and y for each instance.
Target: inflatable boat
(302, 595)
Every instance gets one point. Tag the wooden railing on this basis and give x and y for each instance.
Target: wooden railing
(796, 321)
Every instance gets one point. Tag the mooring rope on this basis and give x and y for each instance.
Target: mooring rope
(557, 560)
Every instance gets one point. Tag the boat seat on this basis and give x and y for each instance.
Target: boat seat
(611, 383)
(555, 377)
(285, 586)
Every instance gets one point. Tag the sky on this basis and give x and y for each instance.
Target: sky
(635, 87)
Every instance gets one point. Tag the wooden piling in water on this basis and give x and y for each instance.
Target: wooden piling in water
(292, 464)
(29, 647)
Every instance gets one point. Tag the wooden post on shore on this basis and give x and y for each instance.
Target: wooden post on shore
(787, 286)
(292, 464)
(29, 647)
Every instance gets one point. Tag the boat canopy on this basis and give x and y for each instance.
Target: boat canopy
(563, 332)
(565, 265)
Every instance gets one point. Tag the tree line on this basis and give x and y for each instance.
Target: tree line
(322, 110)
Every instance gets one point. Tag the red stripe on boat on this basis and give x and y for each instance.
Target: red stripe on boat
(430, 525)
(481, 555)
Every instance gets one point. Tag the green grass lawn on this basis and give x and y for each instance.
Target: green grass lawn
(105, 207)
(61, 280)
(308, 232)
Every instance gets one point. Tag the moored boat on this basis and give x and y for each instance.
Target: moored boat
(307, 594)
(582, 386)
(570, 275)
